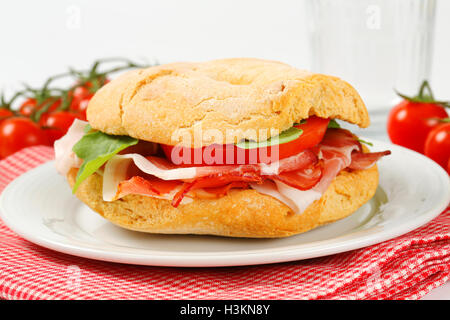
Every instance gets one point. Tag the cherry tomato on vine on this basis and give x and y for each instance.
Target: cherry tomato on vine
(30, 106)
(17, 133)
(82, 107)
(5, 113)
(410, 121)
(437, 145)
(27, 107)
(56, 124)
(79, 94)
(82, 95)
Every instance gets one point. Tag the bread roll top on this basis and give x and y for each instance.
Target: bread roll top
(232, 97)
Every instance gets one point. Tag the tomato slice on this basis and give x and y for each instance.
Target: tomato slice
(313, 131)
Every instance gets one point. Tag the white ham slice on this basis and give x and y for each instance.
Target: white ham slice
(65, 158)
(116, 171)
(295, 199)
(149, 166)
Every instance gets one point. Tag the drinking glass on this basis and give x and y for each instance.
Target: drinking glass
(375, 45)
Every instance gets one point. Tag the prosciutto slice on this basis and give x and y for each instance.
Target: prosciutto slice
(146, 186)
(362, 161)
(300, 179)
(115, 170)
(335, 150)
(214, 182)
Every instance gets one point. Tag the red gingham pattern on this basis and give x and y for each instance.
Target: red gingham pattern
(407, 267)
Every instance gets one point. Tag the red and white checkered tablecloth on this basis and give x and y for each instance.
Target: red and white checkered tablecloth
(407, 267)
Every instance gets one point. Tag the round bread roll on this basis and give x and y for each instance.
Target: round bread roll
(241, 98)
(241, 213)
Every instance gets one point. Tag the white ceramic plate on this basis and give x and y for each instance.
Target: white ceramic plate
(39, 207)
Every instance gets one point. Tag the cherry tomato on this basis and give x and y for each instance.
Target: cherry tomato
(437, 145)
(30, 106)
(79, 94)
(409, 123)
(5, 113)
(313, 132)
(84, 93)
(80, 100)
(82, 107)
(17, 133)
(27, 107)
(56, 124)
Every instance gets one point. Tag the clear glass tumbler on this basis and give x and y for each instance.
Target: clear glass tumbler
(376, 45)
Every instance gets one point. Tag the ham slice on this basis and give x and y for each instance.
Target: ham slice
(300, 179)
(362, 161)
(214, 182)
(65, 158)
(294, 198)
(115, 170)
(169, 189)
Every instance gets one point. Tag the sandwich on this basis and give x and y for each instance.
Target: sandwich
(234, 147)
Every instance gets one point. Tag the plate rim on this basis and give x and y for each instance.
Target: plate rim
(222, 259)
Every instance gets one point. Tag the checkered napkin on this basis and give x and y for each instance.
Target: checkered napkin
(406, 267)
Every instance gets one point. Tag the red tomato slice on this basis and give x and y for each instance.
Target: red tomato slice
(313, 132)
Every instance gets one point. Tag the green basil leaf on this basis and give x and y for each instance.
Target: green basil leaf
(95, 148)
(333, 124)
(286, 136)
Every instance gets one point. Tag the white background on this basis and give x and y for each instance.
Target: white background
(40, 38)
